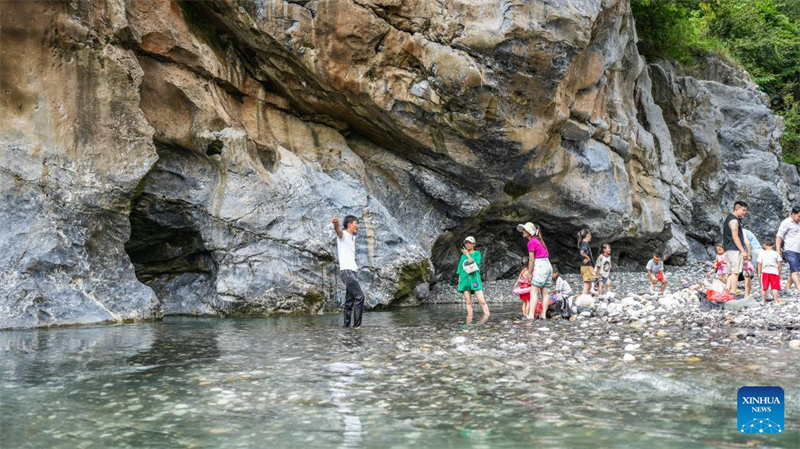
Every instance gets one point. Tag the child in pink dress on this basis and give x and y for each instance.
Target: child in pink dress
(523, 289)
(719, 266)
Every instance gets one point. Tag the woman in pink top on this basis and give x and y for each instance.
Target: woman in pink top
(539, 268)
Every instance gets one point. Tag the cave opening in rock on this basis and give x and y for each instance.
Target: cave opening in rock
(501, 246)
(158, 248)
(166, 246)
(504, 249)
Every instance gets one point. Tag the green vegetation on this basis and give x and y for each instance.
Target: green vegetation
(313, 300)
(410, 276)
(215, 147)
(763, 36)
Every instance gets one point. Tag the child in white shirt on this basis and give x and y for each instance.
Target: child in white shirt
(769, 271)
(602, 269)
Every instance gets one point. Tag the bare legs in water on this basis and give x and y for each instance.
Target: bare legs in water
(481, 301)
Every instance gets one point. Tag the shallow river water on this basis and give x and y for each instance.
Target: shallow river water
(413, 378)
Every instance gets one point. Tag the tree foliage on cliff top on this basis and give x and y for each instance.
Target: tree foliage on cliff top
(763, 36)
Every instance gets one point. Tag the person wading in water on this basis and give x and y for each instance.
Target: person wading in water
(469, 278)
(346, 244)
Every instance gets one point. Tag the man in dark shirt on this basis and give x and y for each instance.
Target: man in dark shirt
(733, 243)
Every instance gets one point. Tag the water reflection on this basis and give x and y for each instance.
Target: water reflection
(483, 319)
(413, 377)
(172, 347)
(40, 356)
(352, 339)
(342, 399)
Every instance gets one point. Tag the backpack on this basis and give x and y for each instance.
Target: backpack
(562, 307)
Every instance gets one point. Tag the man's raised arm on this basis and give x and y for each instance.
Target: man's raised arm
(336, 227)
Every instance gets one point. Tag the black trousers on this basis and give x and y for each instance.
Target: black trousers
(353, 298)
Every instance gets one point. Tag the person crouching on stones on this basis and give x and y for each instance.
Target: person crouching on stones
(346, 245)
(587, 262)
(563, 291)
(539, 268)
(522, 288)
(469, 277)
(655, 272)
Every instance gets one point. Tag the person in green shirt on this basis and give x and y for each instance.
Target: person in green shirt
(470, 283)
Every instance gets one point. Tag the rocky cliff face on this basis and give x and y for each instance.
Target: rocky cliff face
(726, 144)
(186, 157)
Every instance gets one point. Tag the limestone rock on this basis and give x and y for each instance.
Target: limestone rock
(574, 130)
(726, 144)
(187, 157)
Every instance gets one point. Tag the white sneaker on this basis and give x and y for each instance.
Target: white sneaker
(652, 290)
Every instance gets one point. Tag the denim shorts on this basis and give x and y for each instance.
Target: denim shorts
(793, 259)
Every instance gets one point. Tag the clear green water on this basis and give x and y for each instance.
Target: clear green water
(413, 378)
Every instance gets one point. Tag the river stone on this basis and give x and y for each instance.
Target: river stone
(630, 302)
(585, 301)
(638, 324)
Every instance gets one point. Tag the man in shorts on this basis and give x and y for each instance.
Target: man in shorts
(733, 243)
(787, 242)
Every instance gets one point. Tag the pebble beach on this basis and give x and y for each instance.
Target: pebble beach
(623, 322)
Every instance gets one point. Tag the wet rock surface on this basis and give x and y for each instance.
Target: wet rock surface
(187, 157)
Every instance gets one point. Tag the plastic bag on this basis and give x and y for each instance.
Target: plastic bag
(739, 304)
(718, 286)
(749, 268)
(716, 296)
(552, 310)
(706, 305)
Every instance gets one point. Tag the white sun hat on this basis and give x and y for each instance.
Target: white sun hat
(530, 227)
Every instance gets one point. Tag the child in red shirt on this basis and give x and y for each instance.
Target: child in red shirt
(522, 288)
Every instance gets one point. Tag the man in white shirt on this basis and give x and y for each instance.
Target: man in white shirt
(787, 243)
(346, 246)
